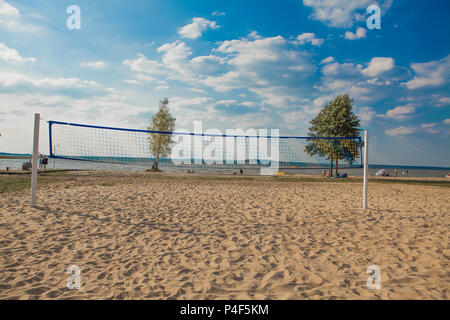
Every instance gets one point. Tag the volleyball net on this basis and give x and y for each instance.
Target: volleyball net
(235, 149)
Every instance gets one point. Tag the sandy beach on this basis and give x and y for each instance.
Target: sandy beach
(147, 236)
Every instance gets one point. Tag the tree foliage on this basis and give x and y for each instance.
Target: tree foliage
(161, 144)
(336, 119)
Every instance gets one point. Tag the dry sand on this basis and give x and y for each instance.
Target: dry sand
(141, 237)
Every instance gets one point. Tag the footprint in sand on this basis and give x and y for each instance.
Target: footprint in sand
(37, 291)
(53, 294)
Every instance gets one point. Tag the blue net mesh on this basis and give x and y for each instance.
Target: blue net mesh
(132, 146)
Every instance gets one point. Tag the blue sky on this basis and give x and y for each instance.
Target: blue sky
(231, 64)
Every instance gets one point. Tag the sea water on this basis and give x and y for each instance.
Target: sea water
(16, 164)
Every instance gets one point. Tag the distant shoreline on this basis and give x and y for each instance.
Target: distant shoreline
(373, 166)
(6, 156)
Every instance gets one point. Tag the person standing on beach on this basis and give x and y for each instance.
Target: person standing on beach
(45, 162)
(406, 172)
(395, 172)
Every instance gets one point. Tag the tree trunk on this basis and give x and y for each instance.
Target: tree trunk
(337, 173)
(331, 166)
(155, 164)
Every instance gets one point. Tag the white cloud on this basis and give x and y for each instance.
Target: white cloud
(9, 54)
(377, 66)
(386, 5)
(296, 120)
(188, 110)
(327, 60)
(252, 120)
(206, 59)
(176, 60)
(430, 127)
(175, 64)
(377, 82)
(322, 101)
(132, 81)
(175, 55)
(361, 93)
(7, 10)
(336, 13)
(343, 13)
(140, 78)
(106, 110)
(334, 85)
(142, 64)
(308, 38)
(442, 101)
(98, 65)
(255, 62)
(223, 83)
(226, 102)
(400, 112)
(66, 82)
(248, 104)
(429, 74)
(12, 20)
(359, 34)
(194, 30)
(447, 121)
(353, 78)
(252, 62)
(162, 87)
(197, 90)
(143, 77)
(12, 79)
(205, 65)
(278, 97)
(71, 87)
(218, 13)
(336, 68)
(181, 104)
(254, 35)
(399, 131)
(366, 114)
(250, 51)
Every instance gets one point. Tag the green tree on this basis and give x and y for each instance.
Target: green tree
(336, 119)
(161, 144)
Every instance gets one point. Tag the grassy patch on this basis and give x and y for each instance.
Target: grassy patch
(313, 179)
(218, 177)
(14, 184)
(54, 173)
(48, 172)
(302, 179)
(415, 182)
(17, 183)
(4, 156)
(153, 170)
